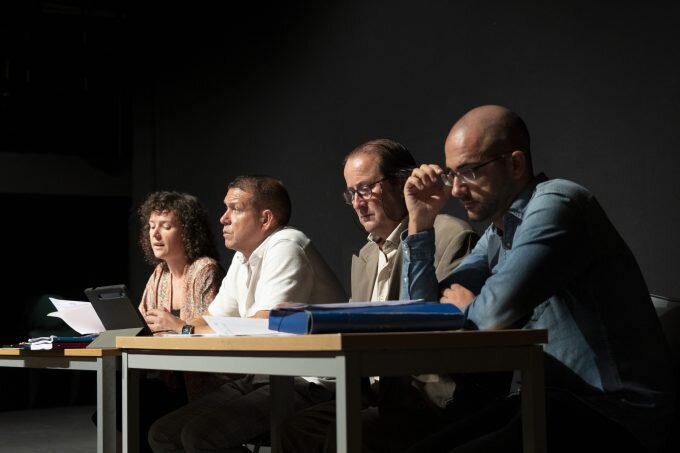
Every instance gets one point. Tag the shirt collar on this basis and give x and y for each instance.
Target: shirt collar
(393, 240)
(256, 256)
(513, 218)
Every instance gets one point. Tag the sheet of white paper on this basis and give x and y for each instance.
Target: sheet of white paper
(61, 304)
(231, 326)
(80, 316)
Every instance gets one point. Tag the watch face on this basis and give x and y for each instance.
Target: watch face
(187, 330)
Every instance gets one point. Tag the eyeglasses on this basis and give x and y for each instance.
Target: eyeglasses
(364, 191)
(467, 173)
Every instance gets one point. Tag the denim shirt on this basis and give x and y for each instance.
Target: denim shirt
(559, 264)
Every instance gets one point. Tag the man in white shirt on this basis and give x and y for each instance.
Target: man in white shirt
(273, 264)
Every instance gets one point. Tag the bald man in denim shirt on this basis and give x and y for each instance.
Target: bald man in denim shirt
(550, 259)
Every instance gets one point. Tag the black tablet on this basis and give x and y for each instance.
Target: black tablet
(115, 308)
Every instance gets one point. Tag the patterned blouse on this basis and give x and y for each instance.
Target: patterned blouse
(202, 281)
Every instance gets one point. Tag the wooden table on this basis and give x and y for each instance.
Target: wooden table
(346, 357)
(103, 361)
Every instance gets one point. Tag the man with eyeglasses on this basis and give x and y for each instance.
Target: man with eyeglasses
(550, 259)
(375, 173)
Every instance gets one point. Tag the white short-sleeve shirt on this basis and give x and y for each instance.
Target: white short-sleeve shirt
(285, 267)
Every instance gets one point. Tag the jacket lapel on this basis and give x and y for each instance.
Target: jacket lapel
(364, 271)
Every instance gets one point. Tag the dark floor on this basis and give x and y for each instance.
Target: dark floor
(53, 430)
(45, 411)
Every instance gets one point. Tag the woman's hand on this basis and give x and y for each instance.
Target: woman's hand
(160, 319)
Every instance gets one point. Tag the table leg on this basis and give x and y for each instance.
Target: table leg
(106, 404)
(533, 403)
(130, 409)
(348, 405)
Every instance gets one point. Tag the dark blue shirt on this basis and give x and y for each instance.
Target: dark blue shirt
(559, 264)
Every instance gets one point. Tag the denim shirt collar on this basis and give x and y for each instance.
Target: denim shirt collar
(513, 218)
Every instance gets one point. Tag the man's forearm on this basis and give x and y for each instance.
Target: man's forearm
(418, 277)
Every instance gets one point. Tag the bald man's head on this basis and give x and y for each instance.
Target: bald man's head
(488, 152)
(494, 130)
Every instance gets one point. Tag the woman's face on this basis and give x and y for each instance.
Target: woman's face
(165, 236)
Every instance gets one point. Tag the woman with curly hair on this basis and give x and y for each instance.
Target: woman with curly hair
(176, 238)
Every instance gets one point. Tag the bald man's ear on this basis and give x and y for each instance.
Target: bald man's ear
(519, 164)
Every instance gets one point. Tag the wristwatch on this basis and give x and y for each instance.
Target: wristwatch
(187, 329)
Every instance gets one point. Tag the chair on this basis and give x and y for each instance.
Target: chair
(259, 445)
(38, 324)
(668, 310)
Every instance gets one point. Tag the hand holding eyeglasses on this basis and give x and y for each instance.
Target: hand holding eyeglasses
(425, 193)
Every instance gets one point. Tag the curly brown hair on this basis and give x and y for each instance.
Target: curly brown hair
(197, 237)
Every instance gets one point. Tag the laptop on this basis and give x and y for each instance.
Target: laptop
(117, 312)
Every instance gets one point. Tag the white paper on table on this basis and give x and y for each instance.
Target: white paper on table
(299, 306)
(231, 326)
(80, 316)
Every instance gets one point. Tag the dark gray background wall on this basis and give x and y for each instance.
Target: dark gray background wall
(288, 90)
(187, 97)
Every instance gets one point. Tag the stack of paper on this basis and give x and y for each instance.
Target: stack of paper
(234, 326)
